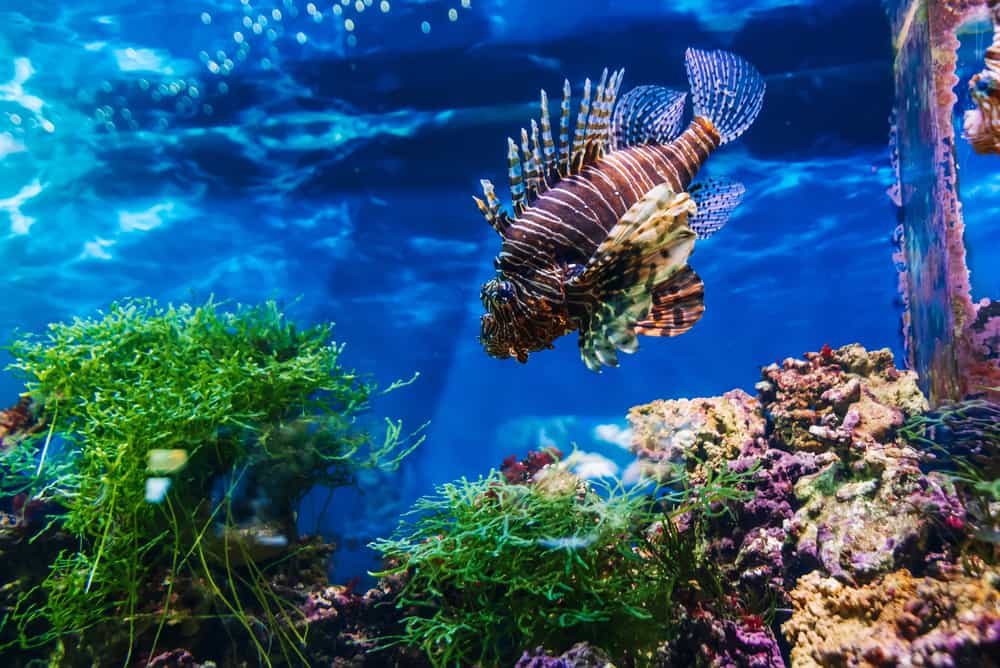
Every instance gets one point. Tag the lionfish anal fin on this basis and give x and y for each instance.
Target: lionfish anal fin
(537, 163)
(677, 305)
(650, 244)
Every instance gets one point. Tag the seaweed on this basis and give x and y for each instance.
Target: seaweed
(491, 567)
(244, 395)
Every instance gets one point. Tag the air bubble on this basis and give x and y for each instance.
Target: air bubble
(143, 84)
(425, 27)
(247, 22)
(272, 34)
(213, 67)
(301, 38)
(384, 6)
(106, 86)
(466, 3)
(352, 40)
(257, 29)
(223, 88)
(15, 119)
(238, 37)
(261, 19)
(337, 10)
(48, 126)
(265, 64)
(109, 126)
(452, 14)
(310, 9)
(206, 18)
(349, 25)
(276, 14)
(317, 18)
(359, 6)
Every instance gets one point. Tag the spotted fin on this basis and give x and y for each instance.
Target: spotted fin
(536, 163)
(647, 115)
(678, 303)
(650, 243)
(716, 200)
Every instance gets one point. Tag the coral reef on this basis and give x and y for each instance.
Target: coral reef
(897, 620)
(838, 487)
(696, 434)
(580, 655)
(833, 519)
(15, 423)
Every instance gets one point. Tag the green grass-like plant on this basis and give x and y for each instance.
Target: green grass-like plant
(243, 392)
(491, 568)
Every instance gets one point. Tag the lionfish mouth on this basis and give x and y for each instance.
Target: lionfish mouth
(490, 337)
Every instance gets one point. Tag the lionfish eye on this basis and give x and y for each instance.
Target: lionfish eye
(504, 292)
(985, 84)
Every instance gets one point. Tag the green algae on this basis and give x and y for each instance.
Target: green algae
(490, 568)
(244, 392)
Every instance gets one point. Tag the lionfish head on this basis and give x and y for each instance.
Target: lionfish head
(501, 334)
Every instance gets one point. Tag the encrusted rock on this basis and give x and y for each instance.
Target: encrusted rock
(898, 620)
(694, 433)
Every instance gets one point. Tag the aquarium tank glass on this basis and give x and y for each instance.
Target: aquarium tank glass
(495, 333)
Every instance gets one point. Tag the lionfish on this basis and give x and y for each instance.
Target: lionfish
(982, 124)
(603, 226)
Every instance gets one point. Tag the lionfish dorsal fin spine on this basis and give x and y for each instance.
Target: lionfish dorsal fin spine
(530, 168)
(516, 177)
(548, 145)
(592, 136)
(579, 137)
(564, 145)
(490, 209)
(536, 154)
(535, 163)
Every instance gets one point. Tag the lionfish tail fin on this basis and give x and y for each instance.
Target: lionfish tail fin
(647, 115)
(650, 243)
(677, 305)
(716, 199)
(726, 89)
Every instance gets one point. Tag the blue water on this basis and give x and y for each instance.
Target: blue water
(167, 149)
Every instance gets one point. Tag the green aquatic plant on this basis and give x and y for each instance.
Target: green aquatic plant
(965, 436)
(240, 394)
(490, 567)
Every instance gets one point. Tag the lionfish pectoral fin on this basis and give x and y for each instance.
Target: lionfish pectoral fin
(677, 304)
(650, 243)
(716, 200)
(647, 115)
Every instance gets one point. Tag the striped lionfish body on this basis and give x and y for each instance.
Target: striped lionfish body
(982, 124)
(603, 226)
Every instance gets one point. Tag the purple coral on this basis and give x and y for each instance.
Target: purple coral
(580, 655)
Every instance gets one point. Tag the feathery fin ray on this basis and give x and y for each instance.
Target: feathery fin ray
(650, 243)
(726, 90)
(647, 115)
(716, 199)
(678, 303)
